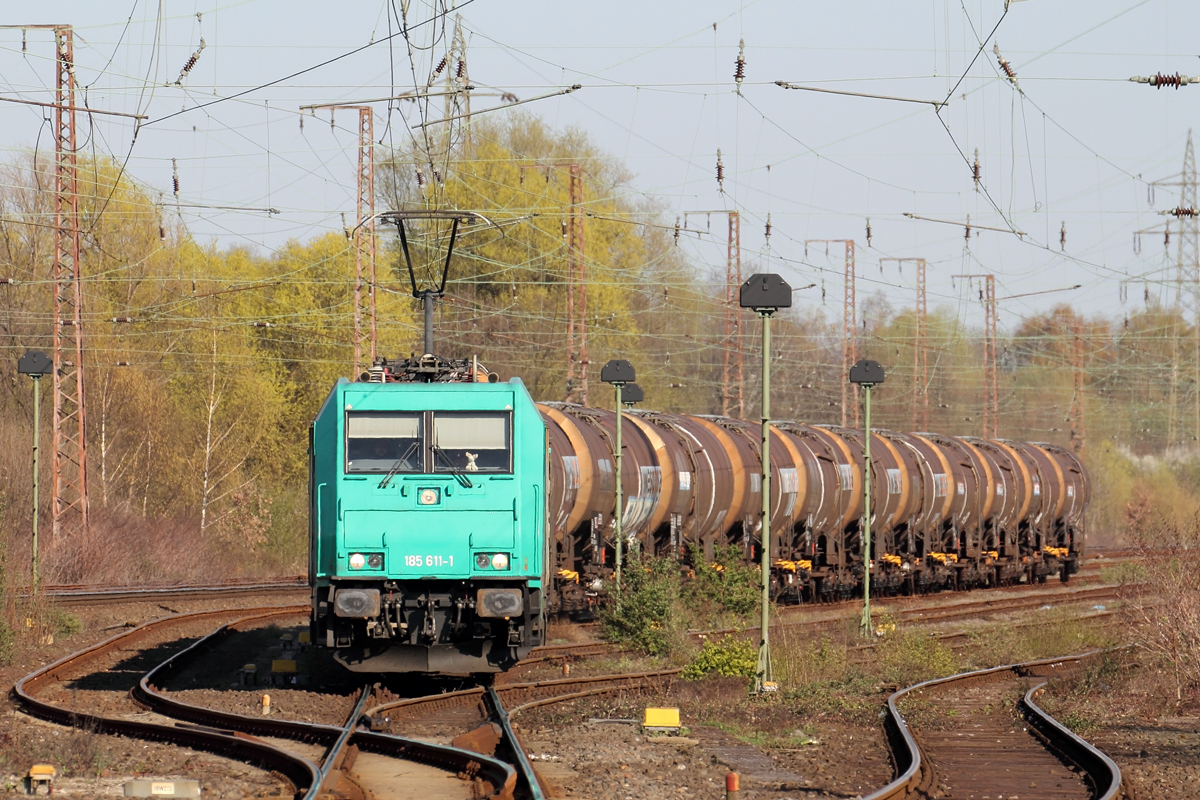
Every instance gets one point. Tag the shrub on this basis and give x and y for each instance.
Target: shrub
(799, 660)
(732, 657)
(908, 657)
(728, 584)
(644, 613)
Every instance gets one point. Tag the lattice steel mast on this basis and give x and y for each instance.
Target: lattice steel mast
(920, 405)
(69, 492)
(991, 387)
(366, 324)
(849, 328)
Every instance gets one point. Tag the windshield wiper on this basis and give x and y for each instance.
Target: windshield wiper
(462, 479)
(401, 461)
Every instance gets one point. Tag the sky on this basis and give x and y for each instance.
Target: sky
(1072, 145)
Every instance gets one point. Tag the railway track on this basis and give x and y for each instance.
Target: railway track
(81, 594)
(263, 741)
(972, 745)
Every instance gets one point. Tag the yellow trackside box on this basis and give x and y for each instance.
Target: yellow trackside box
(661, 719)
(283, 665)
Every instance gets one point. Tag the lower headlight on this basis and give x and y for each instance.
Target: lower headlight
(375, 561)
(499, 603)
(359, 603)
(500, 561)
(483, 561)
(357, 561)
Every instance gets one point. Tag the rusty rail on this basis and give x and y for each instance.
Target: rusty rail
(79, 594)
(1102, 771)
(300, 771)
(500, 775)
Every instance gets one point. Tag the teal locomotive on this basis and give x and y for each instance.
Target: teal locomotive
(427, 520)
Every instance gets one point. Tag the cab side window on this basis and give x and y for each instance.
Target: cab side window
(474, 441)
(383, 442)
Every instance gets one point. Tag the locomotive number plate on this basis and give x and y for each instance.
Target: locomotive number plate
(429, 561)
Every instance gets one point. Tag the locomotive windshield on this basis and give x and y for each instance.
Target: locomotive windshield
(472, 442)
(383, 442)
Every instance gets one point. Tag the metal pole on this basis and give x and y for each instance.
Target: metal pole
(866, 615)
(617, 514)
(37, 413)
(764, 674)
(428, 297)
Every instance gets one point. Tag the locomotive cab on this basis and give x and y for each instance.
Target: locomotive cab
(428, 525)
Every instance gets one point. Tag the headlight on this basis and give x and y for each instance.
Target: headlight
(500, 561)
(358, 561)
(483, 561)
(375, 560)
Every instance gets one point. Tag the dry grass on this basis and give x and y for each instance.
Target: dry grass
(1168, 616)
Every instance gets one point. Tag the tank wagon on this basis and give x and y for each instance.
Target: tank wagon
(450, 514)
(947, 512)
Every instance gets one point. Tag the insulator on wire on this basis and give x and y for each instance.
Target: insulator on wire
(739, 68)
(332, 124)
(767, 232)
(868, 231)
(191, 62)
(462, 69)
(420, 178)
(175, 177)
(1180, 211)
(720, 172)
(564, 228)
(1160, 80)
(967, 233)
(1062, 236)
(1007, 67)
(975, 170)
(677, 230)
(345, 227)
(1137, 247)
(23, 43)
(441, 66)
(262, 324)
(1167, 235)
(302, 123)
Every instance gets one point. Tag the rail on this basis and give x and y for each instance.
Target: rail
(527, 779)
(452, 759)
(78, 594)
(300, 771)
(1102, 771)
